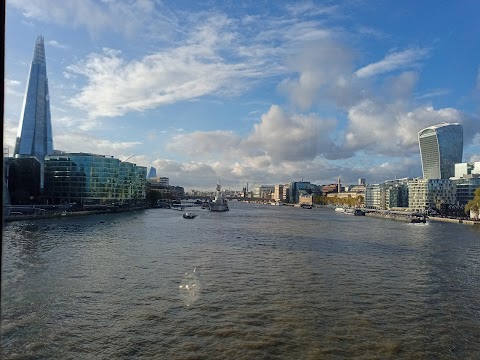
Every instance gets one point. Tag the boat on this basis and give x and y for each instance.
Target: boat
(276, 203)
(418, 219)
(219, 203)
(189, 215)
(350, 211)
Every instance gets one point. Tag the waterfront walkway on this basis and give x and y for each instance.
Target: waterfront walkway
(406, 216)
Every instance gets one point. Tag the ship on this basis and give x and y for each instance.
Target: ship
(219, 203)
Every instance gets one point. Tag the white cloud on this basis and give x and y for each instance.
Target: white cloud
(290, 137)
(79, 141)
(10, 128)
(310, 9)
(191, 70)
(324, 70)
(10, 82)
(11, 87)
(475, 158)
(393, 61)
(204, 144)
(279, 136)
(56, 44)
(433, 93)
(392, 128)
(126, 17)
(189, 175)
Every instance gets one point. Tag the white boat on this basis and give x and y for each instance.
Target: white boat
(219, 203)
(350, 211)
(189, 215)
(276, 203)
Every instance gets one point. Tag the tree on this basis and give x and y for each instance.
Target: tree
(152, 197)
(474, 204)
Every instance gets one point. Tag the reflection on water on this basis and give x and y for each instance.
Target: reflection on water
(190, 287)
(256, 282)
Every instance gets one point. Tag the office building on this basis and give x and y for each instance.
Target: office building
(165, 181)
(278, 193)
(90, 179)
(22, 180)
(467, 170)
(34, 137)
(431, 193)
(152, 173)
(374, 196)
(441, 147)
(298, 188)
(262, 191)
(467, 180)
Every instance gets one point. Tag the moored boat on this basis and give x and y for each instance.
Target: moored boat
(276, 203)
(418, 219)
(359, 212)
(219, 203)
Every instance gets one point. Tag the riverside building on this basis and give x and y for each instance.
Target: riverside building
(467, 180)
(431, 193)
(90, 179)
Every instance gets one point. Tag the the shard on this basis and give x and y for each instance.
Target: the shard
(34, 137)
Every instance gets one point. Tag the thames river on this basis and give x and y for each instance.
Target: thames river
(257, 282)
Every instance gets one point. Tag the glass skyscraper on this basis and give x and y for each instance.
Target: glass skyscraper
(441, 147)
(34, 137)
(91, 179)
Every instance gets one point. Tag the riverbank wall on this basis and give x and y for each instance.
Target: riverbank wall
(403, 216)
(67, 214)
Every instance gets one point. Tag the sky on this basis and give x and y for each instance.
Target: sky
(257, 92)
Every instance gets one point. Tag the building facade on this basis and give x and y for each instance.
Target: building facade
(431, 193)
(302, 187)
(278, 193)
(34, 136)
(374, 196)
(90, 179)
(22, 179)
(396, 193)
(165, 181)
(467, 180)
(441, 147)
(152, 173)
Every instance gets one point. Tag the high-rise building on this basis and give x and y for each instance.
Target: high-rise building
(441, 147)
(152, 173)
(34, 137)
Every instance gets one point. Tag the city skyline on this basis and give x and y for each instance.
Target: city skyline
(253, 93)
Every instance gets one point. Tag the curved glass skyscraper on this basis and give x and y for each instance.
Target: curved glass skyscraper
(441, 147)
(34, 137)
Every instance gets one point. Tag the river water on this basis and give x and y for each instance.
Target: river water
(257, 282)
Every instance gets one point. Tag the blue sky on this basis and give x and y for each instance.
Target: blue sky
(253, 91)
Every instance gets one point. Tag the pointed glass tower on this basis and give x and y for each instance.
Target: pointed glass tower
(34, 137)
